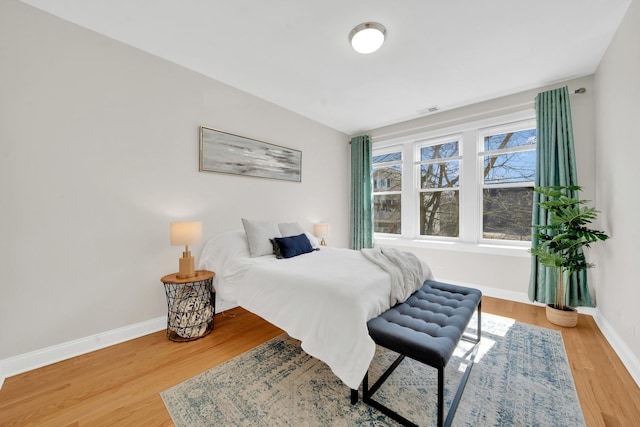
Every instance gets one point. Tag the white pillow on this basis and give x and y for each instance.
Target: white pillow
(290, 229)
(258, 235)
(224, 248)
(315, 243)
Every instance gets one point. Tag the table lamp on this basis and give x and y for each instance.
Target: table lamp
(186, 233)
(321, 230)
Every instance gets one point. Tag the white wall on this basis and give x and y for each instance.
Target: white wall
(499, 272)
(99, 152)
(617, 94)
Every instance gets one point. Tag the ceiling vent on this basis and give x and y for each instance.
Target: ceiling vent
(428, 110)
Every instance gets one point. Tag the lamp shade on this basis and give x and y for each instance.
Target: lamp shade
(367, 37)
(186, 233)
(321, 229)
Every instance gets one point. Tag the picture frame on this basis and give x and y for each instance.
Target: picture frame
(223, 152)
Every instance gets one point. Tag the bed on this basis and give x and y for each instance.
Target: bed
(323, 298)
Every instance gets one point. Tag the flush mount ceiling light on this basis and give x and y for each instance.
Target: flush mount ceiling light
(367, 37)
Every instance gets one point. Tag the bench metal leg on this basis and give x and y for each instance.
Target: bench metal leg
(354, 396)
(479, 319)
(469, 337)
(368, 393)
(440, 396)
(458, 396)
(383, 377)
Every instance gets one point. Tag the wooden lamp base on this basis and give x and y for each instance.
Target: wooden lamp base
(187, 266)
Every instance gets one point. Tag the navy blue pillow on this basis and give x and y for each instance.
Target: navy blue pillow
(293, 245)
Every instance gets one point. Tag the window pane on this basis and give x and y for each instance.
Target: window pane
(389, 157)
(440, 175)
(439, 213)
(387, 179)
(520, 138)
(510, 167)
(507, 213)
(386, 213)
(440, 151)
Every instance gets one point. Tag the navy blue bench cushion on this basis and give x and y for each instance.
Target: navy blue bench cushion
(428, 326)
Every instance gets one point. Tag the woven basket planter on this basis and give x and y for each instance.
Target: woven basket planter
(567, 318)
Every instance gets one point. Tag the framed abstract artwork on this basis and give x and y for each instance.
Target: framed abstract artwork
(224, 152)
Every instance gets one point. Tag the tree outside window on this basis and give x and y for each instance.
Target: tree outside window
(439, 198)
(509, 164)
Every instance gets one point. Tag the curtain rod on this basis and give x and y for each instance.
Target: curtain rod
(578, 91)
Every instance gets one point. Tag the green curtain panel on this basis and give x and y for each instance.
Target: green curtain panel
(361, 193)
(556, 165)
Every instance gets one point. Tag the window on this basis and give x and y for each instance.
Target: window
(428, 186)
(508, 159)
(438, 195)
(387, 192)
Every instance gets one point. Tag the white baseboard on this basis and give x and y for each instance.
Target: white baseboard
(39, 358)
(36, 359)
(222, 305)
(500, 293)
(516, 296)
(628, 358)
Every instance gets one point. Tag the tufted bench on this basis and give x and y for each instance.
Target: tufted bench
(427, 328)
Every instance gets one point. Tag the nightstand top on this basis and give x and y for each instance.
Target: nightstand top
(200, 275)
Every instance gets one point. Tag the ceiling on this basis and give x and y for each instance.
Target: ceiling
(296, 53)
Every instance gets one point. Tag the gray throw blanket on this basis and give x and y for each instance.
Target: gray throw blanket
(404, 268)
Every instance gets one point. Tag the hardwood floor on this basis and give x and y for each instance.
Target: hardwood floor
(120, 385)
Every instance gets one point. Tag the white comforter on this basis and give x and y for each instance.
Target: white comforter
(323, 298)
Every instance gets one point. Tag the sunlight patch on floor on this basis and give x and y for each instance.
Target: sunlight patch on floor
(492, 325)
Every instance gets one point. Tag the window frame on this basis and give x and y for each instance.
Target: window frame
(470, 186)
(481, 153)
(417, 162)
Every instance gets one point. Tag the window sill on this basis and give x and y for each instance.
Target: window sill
(482, 248)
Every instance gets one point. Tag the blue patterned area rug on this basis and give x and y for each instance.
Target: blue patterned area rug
(521, 377)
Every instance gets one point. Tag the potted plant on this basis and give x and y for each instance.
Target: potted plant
(561, 242)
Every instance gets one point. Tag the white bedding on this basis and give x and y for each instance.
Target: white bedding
(323, 298)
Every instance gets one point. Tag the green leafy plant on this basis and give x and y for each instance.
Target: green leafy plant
(561, 242)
